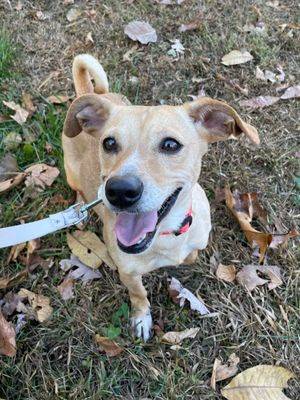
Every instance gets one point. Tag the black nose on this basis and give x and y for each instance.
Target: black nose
(123, 191)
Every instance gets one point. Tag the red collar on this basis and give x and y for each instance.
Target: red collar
(184, 226)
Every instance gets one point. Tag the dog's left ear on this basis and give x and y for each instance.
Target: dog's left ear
(216, 120)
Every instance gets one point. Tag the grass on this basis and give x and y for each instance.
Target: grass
(59, 359)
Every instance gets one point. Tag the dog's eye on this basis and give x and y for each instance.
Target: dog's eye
(110, 145)
(170, 146)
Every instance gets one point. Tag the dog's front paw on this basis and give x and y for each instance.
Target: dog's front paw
(142, 326)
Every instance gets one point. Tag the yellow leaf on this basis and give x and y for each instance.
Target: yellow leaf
(178, 337)
(263, 382)
(236, 57)
(89, 249)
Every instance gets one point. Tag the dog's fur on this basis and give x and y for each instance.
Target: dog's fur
(96, 114)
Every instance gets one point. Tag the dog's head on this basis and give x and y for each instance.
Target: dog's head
(150, 156)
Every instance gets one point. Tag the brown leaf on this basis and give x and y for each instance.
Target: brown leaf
(20, 115)
(58, 99)
(73, 14)
(7, 338)
(233, 84)
(7, 283)
(15, 251)
(89, 249)
(192, 25)
(249, 278)
(8, 167)
(89, 38)
(13, 182)
(40, 175)
(28, 103)
(66, 289)
(110, 347)
(33, 245)
(178, 337)
(141, 31)
(224, 371)
(259, 102)
(226, 272)
(244, 207)
(82, 272)
(291, 93)
(39, 305)
(281, 239)
(236, 57)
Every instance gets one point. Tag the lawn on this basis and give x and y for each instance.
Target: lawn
(59, 359)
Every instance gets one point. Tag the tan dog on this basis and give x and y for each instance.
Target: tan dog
(146, 162)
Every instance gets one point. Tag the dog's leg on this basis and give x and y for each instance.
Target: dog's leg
(141, 319)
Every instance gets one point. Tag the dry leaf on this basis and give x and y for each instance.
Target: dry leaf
(28, 103)
(9, 303)
(226, 272)
(58, 99)
(262, 382)
(176, 48)
(249, 278)
(89, 38)
(259, 74)
(233, 84)
(141, 31)
(15, 251)
(8, 167)
(178, 292)
(281, 239)
(7, 338)
(259, 102)
(224, 371)
(11, 183)
(7, 283)
(20, 115)
(89, 249)
(40, 305)
(73, 14)
(191, 26)
(12, 140)
(236, 57)
(82, 272)
(178, 337)
(291, 93)
(66, 289)
(41, 175)
(33, 245)
(110, 347)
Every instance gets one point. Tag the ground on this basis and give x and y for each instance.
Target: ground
(59, 359)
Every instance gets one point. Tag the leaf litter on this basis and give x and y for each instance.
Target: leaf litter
(174, 337)
(7, 337)
(249, 278)
(224, 371)
(141, 31)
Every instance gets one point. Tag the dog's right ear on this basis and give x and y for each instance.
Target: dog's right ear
(87, 113)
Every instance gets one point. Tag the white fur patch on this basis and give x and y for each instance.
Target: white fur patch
(142, 326)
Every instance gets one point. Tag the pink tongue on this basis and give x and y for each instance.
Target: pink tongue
(130, 228)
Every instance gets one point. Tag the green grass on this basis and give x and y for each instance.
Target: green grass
(59, 359)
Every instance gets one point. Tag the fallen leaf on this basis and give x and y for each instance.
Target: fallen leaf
(178, 337)
(226, 272)
(28, 103)
(110, 347)
(259, 102)
(90, 250)
(13, 182)
(141, 31)
(89, 38)
(249, 278)
(9, 303)
(82, 272)
(8, 167)
(33, 245)
(48, 148)
(236, 57)
(281, 239)
(176, 48)
(40, 305)
(41, 175)
(7, 283)
(291, 93)
(58, 99)
(224, 371)
(7, 338)
(244, 207)
(12, 140)
(73, 14)
(262, 382)
(185, 294)
(233, 84)
(20, 115)
(259, 74)
(15, 251)
(66, 289)
(194, 24)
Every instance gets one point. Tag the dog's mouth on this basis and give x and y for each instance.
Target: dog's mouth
(135, 232)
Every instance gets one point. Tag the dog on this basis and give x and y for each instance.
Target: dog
(145, 162)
